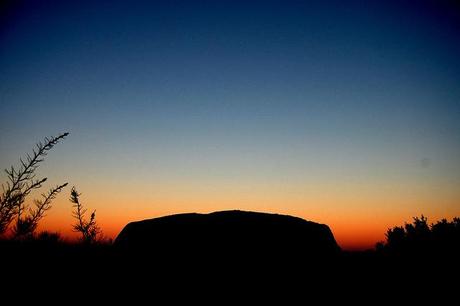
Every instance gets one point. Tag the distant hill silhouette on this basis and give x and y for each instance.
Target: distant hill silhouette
(238, 234)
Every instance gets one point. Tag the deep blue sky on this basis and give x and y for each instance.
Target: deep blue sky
(258, 93)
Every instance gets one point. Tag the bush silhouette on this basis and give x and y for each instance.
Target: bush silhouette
(21, 181)
(89, 230)
(422, 238)
(395, 237)
(26, 225)
(49, 237)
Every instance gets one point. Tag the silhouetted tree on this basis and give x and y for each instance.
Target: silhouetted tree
(419, 237)
(418, 230)
(21, 181)
(89, 230)
(395, 237)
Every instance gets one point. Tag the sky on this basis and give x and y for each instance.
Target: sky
(341, 112)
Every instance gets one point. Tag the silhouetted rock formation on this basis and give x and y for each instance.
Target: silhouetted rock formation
(233, 234)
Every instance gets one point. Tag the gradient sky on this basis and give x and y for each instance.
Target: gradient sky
(341, 112)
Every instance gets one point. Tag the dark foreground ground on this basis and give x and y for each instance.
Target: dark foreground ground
(350, 275)
(226, 256)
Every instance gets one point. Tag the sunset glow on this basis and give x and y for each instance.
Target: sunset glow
(342, 114)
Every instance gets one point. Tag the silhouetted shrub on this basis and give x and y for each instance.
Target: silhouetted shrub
(21, 181)
(26, 225)
(49, 237)
(395, 237)
(419, 237)
(89, 230)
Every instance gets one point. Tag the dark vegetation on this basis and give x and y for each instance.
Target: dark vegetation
(229, 244)
(21, 182)
(421, 238)
(90, 232)
(19, 220)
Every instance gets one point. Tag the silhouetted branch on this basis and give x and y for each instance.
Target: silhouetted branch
(28, 224)
(21, 182)
(89, 230)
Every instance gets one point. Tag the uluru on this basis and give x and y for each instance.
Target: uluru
(233, 232)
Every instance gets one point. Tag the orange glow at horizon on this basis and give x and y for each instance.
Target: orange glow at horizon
(357, 221)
